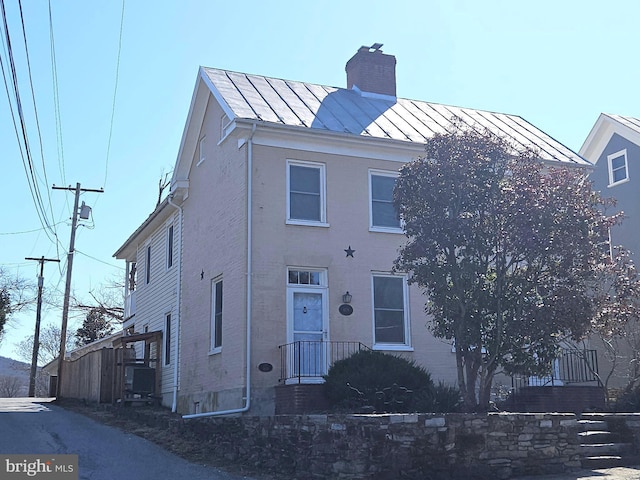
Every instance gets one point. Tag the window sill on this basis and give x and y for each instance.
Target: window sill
(215, 351)
(393, 348)
(615, 184)
(305, 223)
(387, 230)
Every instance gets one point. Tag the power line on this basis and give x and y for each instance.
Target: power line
(100, 261)
(21, 134)
(115, 91)
(56, 98)
(29, 231)
(35, 108)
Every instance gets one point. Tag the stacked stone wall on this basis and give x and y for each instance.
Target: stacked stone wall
(385, 447)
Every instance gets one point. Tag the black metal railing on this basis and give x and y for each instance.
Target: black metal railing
(572, 366)
(312, 359)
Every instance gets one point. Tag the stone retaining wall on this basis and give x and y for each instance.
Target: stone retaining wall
(386, 447)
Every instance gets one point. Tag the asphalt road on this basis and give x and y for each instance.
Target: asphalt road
(35, 426)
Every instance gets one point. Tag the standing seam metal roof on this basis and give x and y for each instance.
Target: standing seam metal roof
(306, 105)
(630, 122)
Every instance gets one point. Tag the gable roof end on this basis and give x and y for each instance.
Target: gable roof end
(602, 131)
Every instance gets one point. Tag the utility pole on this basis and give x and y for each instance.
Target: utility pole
(67, 290)
(36, 335)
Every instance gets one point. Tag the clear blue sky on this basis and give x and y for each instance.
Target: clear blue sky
(556, 63)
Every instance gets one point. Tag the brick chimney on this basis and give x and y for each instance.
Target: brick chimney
(372, 71)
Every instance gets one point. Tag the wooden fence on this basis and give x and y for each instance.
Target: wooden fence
(90, 377)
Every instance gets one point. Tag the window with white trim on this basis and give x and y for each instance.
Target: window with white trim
(306, 193)
(167, 339)
(216, 315)
(382, 213)
(618, 167)
(224, 123)
(390, 312)
(170, 246)
(202, 151)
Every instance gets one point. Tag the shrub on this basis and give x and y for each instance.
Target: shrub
(628, 401)
(374, 381)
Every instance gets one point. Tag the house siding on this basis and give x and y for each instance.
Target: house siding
(158, 298)
(627, 194)
(215, 247)
(281, 246)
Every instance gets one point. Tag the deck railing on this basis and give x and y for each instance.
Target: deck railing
(572, 366)
(307, 359)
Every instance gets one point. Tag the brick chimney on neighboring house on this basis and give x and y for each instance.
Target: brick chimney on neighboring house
(372, 71)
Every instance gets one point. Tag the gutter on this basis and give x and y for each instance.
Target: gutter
(176, 362)
(247, 398)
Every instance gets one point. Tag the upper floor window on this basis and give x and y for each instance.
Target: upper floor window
(382, 213)
(202, 151)
(390, 312)
(618, 167)
(216, 316)
(224, 123)
(147, 266)
(170, 246)
(306, 193)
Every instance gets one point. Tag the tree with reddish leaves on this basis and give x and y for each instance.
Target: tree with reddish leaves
(509, 252)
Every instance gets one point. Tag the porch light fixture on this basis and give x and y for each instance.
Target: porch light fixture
(346, 298)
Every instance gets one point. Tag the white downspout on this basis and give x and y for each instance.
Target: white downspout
(247, 399)
(176, 362)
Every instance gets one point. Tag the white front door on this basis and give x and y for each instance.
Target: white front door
(308, 333)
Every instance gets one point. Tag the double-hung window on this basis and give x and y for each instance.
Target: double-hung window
(382, 213)
(618, 167)
(306, 204)
(216, 316)
(390, 312)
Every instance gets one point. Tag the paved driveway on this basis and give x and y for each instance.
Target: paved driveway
(36, 426)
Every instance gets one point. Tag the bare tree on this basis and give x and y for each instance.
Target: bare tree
(49, 345)
(108, 300)
(10, 386)
(162, 184)
(16, 294)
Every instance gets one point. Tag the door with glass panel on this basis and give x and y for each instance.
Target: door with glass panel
(306, 292)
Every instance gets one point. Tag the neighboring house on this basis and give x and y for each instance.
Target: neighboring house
(152, 299)
(272, 256)
(613, 145)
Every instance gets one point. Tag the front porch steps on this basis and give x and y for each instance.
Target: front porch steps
(602, 448)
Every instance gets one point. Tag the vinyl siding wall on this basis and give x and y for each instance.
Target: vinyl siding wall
(158, 297)
(627, 194)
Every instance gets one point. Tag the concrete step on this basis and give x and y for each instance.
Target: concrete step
(606, 449)
(595, 436)
(603, 461)
(591, 425)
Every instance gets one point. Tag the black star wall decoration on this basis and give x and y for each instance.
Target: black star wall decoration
(349, 251)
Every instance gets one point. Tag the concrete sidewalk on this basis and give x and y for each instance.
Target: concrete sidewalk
(617, 473)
